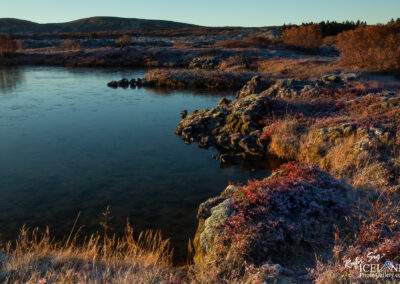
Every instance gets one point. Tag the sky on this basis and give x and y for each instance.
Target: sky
(205, 12)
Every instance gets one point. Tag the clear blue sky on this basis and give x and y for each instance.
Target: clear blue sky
(205, 12)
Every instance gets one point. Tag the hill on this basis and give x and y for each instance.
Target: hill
(94, 24)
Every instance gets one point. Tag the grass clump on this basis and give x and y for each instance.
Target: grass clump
(36, 257)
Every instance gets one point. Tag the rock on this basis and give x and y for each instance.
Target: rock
(211, 213)
(333, 78)
(250, 146)
(269, 222)
(184, 113)
(206, 62)
(112, 84)
(255, 86)
(215, 157)
(132, 83)
(350, 77)
(223, 102)
(226, 125)
(291, 88)
(205, 142)
(124, 83)
(228, 159)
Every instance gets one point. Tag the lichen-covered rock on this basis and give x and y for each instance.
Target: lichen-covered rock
(287, 217)
(206, 62)
(292, 88)
(233, 127)
(255, 86)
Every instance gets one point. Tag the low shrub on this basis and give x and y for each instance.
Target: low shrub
(7, 46)
(373, 48)
(123, 41)
(303, 37)
(70, 44)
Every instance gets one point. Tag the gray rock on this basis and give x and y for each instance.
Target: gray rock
(255, 86)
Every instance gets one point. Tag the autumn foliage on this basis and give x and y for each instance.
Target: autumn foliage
(303, 37)
(124, 40)
(7, 46)
(374, 48)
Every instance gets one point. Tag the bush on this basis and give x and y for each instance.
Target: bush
(374, 48)
(123, 41)
(304, 37)
(70, 44)
(7, 46)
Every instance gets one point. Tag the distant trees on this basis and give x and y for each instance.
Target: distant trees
(374, 48)
(7, 45)
(328, 28)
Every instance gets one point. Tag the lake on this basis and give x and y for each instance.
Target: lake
(70, 144)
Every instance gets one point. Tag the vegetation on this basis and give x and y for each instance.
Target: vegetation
(328, 28)
(70, 44)
(196, 79)
(36, 258)
(7, 46)
(303, 37)
(123, 41)
(373, 48)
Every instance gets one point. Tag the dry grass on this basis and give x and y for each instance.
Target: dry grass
(36, 258)
(286, 137)
(298, 68)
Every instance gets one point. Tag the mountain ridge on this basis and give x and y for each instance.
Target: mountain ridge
(91, 24)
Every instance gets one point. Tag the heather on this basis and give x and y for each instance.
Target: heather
(267, 224)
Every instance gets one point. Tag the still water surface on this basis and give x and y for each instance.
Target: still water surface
(70, 144)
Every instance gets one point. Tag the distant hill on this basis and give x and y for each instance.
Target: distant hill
(94, 24)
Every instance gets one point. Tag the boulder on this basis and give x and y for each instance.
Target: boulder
(283, 221)
(112, 84)
(256, 85)
(184, 113)
(132, 83)
(124, 83)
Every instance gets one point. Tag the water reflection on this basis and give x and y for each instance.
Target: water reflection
(10, 78)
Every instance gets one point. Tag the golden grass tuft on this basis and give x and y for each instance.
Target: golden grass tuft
(36, 258)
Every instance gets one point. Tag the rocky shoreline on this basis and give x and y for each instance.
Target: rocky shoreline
(344, 145)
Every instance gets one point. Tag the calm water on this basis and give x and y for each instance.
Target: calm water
(70, 144)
